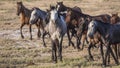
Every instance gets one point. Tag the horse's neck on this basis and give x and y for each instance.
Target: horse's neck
(26, 12)
(103, 28)
(86, 15)
(65, 7)
(43, 13)
(56, 23)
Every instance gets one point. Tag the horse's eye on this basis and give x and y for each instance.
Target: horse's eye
(92, 25)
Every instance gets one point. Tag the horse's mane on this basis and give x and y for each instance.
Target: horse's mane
(38, 9)
(79, 13)
(35, 8)
(26, 11)
(102, 22)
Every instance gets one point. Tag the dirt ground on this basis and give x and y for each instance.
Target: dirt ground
(16, 52)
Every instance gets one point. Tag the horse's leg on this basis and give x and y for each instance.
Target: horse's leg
(115, 49)
(83, 38)
(119, 50)
(106, 54)
(89, 48)
(53, 51)
(69, 39)
(116, 60)
(102, 53)
(60, 48)
(43, 38)
(39, 33)
(30, 31)
(56, 44)
(108, 58)
(21, 30)
(77, 42)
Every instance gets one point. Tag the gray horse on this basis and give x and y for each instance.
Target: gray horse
(57, 29)
(110, 34)
(40, 17)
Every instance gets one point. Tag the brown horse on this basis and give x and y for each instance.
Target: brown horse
(24, 14)
(78, 18)
(115, 18)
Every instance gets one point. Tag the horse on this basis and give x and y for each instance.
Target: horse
(62, 9)
(77, 19)
(57, 29)
(24, 14)
(110, 34)
(39, 17)
(115, 18)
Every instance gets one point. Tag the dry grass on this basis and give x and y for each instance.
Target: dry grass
(18, 53)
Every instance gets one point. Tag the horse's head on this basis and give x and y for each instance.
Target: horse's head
(19, 7)
(47, 18)
(83, 26)
(92, 28)
(114, 18)
(60, 7)
(34, 16)
(53, 13)
(68, 15)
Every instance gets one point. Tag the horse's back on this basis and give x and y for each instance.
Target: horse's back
(104, 18)
(77, 9)
(114, 33)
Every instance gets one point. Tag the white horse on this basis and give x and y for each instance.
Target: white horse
(57, 29)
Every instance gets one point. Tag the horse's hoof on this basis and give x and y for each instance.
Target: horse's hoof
(61, 60)
(22, 37)
(117, 63)
(38, 38)
(78, 48)
(103, 66)
(91, 58)
(30, 38)
(44, 45)
(55, 61)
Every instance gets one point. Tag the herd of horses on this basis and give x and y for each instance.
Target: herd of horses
(102, 30)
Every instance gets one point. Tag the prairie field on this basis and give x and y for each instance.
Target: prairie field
(16, 52)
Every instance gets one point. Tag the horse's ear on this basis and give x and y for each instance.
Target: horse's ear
(20, 2)
(17, 2)
(116, 14)
(112, 14)
(61, 2)
(59, 15)
(47, 10)
(32, 8)
(50, 6)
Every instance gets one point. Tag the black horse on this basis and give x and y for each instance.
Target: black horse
(110, 35)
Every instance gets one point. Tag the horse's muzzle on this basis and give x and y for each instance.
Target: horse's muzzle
(31, 22)
(17, 14)
(90, 36)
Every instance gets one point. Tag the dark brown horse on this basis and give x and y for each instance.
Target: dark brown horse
(115, 18)
(24, 14)
(61, 9)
